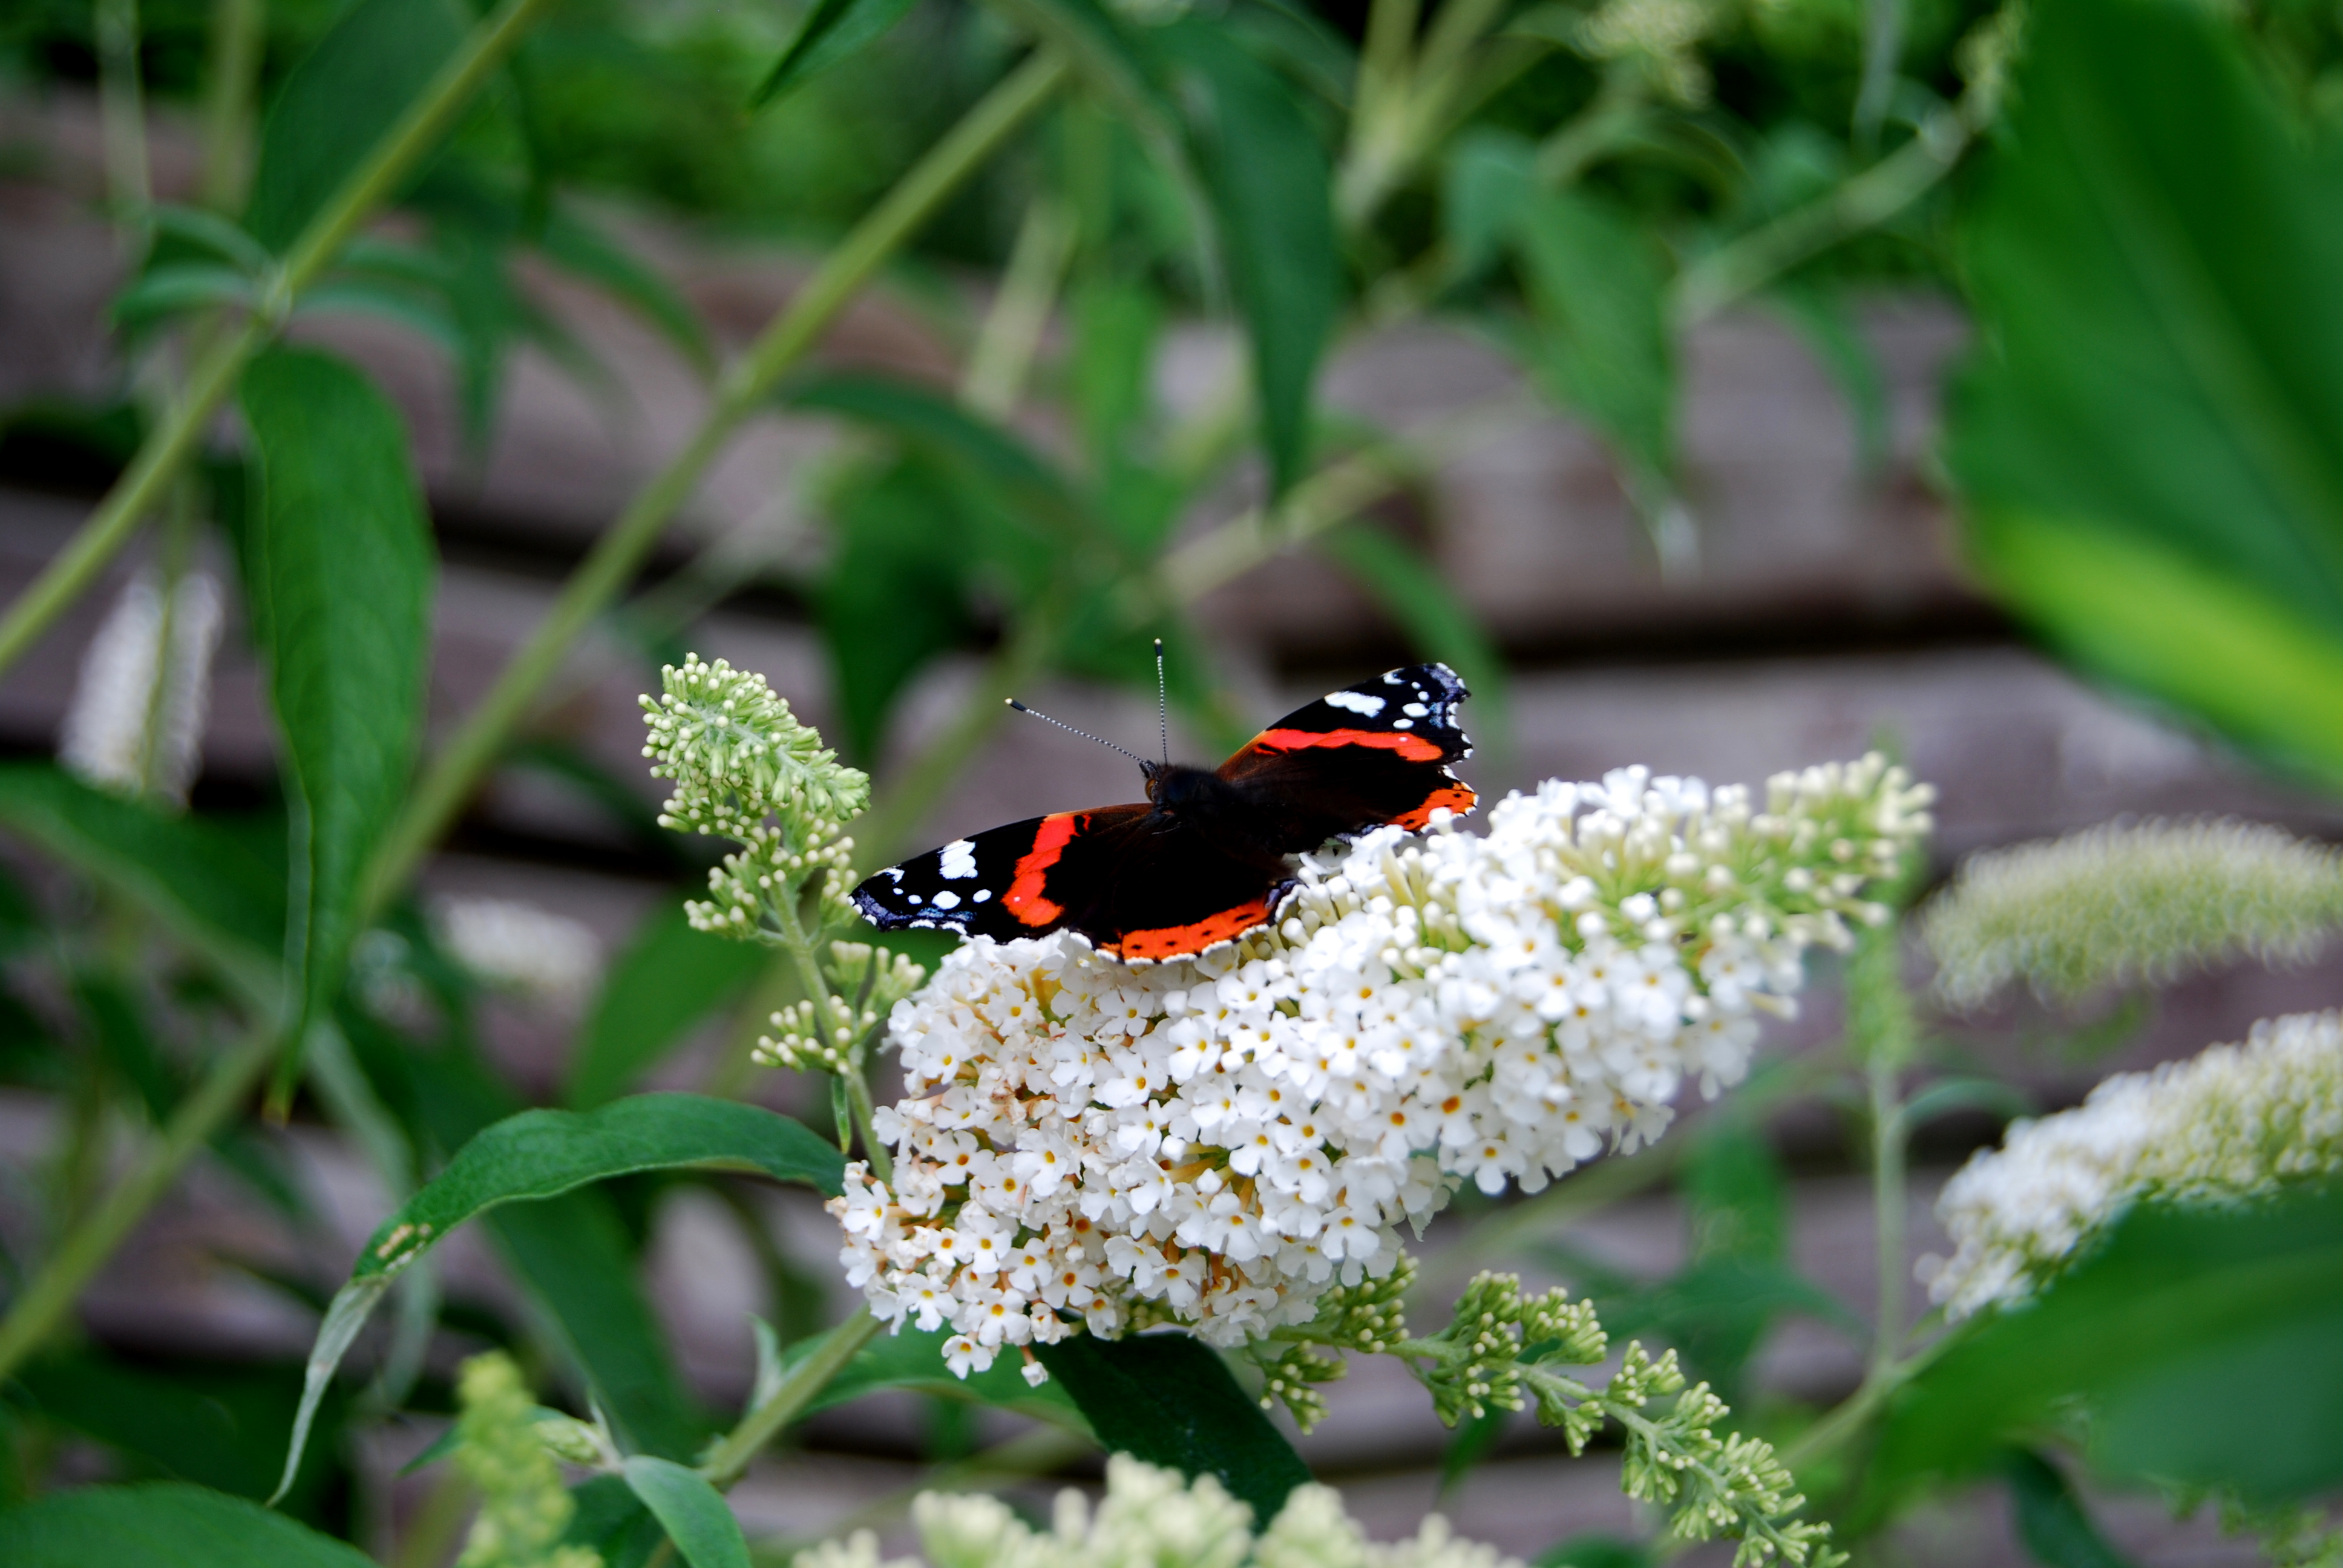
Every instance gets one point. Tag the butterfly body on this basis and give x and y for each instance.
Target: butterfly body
(1205, 857)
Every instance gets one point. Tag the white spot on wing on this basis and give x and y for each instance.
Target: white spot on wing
(1403, 724)
(959, 862)
(913, 898)
(1415, 709)
(946, 900)
(982, 894)
(1356, 701)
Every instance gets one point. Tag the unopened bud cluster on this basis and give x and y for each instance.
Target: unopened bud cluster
(829, 1035)
(1508, 1350)
(744, 768)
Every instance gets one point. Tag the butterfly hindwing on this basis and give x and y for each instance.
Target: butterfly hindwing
(1372, 753)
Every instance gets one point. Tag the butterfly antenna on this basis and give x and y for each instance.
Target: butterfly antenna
(1085, 734)
(1162, 703)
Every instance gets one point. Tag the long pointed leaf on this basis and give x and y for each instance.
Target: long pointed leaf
(693, 1512)
(1169, 1399)
(338, 102)
(343, 573)
(163, 1522)
(204, 882)
(540, 1154)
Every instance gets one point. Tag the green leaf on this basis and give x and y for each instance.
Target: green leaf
(221, 1427)
(1438, 624)
(570, 1256)
(163, 1522)
(576, 1259)
(910, 1359)
(668, 979)
(541, 1154)
(2215, 646)
(833, 30)
(206, 883)
(2050, 1518)
(1491, 182)
(344, 566)
(1603, 346)
(338, 102)
(2207, 1344)
(693, 1512)
(177, 288)
(1269, 186)
(1169, 1399)
(2150, 440)
(612, 1520)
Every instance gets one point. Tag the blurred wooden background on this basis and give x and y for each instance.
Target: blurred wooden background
(1827, 614)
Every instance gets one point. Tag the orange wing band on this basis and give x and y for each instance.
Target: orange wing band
(1025, 899)
(1186, 941)
(1415, 747)
(1457, 797)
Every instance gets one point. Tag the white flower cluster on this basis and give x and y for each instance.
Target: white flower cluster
(1150, 1516)
(2224, 1126)
(2130, 903)
(515, 944)
(1216, 1142)
(122, 732)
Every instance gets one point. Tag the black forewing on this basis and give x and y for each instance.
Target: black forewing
(918, 895)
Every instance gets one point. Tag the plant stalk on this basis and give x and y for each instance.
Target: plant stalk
(730, 1458)
(458, 770)
(216, 372)
(1888, 1199)
(1868, 199)
(36, 1314)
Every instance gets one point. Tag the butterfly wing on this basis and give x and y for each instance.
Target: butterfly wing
(1370, 754)
(1137, 885)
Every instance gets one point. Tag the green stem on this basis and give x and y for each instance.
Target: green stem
(1865, 201)
(168, 446)
(459, 767)
(122, 113)
(1603, 124)
(994, 379)
(799, 948)
(730, 1458)
(229, 80)
(1330, 497)
(1888, 1197)
(36, 1314)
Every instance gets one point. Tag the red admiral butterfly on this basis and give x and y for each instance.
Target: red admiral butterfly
(1203, 861)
